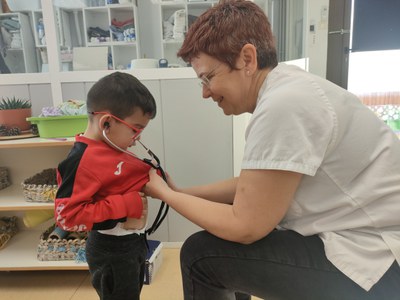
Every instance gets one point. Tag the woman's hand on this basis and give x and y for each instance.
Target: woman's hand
(136, 224)
(156, 187)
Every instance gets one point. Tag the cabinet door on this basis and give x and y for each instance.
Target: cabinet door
(197, 141)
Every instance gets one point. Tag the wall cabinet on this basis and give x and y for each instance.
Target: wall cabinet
(126, 31)
(168, 23)
(120, 21)
(198, 143)
(20, 54)
(157, 31)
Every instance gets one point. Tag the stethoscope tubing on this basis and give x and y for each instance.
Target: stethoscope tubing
(163, 210)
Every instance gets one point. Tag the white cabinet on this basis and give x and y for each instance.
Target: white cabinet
(197, 141)
(20, 46)
(169, 23)
(114, 26)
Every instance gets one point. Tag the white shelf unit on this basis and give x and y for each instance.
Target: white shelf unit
(20, 255)
(21, 59)
(166, 38)
(171, 42)
(192, 10)
(23, 158)
(69, 30)
(122, 51)
(40, 43)
(37, 15)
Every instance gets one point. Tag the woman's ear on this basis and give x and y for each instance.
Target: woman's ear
(248, 54)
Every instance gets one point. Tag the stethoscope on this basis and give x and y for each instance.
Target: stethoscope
(154, 162)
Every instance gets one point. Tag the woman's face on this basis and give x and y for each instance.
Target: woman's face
(228, 88)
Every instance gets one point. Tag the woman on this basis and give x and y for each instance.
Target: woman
(315, 211)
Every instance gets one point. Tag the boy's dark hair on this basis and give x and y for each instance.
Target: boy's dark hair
(120, 94)
(223, 30)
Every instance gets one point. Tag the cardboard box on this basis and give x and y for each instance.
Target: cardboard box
(153, 260)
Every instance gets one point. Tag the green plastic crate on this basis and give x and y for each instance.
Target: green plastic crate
(62, 126)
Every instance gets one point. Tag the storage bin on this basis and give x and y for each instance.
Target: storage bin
(70, 248)
(4, 178)
(62, 126)
(41, 187)
(8, 228)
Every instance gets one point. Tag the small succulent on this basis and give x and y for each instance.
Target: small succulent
(14, 103)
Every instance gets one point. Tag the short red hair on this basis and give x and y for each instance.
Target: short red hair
(225, 28)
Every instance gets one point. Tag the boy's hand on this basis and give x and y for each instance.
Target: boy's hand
(136, 224)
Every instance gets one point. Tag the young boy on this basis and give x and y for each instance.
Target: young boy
(100, 183)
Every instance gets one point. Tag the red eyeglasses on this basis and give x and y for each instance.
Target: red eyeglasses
(136, 131)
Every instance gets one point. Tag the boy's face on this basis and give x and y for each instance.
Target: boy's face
(124, 134)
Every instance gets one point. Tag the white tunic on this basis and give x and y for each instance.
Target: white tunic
(350, 191)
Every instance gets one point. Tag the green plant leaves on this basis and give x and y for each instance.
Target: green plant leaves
(14, 103)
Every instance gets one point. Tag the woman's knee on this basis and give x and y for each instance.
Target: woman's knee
(192, 246)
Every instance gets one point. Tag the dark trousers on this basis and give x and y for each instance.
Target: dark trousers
(116, 265)
(284, 265)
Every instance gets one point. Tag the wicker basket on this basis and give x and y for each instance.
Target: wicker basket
(41, 187)
(70, 248)
(4, 180)
(39, 193)
(8, 228)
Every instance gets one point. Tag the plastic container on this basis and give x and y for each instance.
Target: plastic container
(63, 126)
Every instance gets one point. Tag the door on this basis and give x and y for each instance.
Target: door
(338, 42)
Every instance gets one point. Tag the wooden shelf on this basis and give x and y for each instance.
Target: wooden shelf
(20, 254)
(36, 142)
(12, 199)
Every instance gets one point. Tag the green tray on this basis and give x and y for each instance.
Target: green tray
(62, 126)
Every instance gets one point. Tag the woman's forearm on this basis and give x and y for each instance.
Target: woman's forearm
(217, 218)
(221, 191)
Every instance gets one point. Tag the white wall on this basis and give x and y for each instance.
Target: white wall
(317, 41)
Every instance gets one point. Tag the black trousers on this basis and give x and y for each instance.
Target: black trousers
(284, 265)
(116, 265)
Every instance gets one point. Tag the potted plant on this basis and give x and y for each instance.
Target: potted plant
(13, 113)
